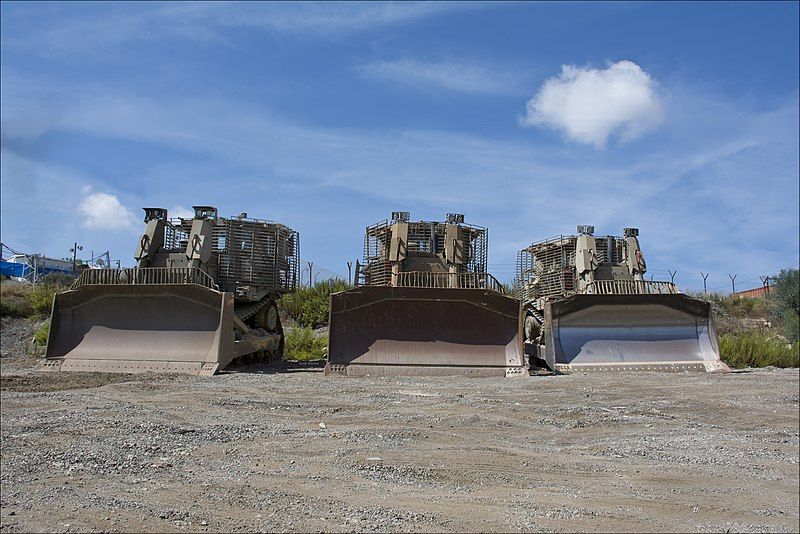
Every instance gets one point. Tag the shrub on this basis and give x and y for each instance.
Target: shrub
(757, 349)
(739, 307)
(41, 298)
(785, 294)
(308, 306)
(14, 299)
(790, 323)
(20, 299)
(304, 344)
(40, 336)
(62, 280)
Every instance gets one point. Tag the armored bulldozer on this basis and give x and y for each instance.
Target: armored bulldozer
(424, 305)
(203, 294)
(588, 307)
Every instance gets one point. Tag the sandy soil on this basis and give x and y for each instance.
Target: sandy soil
(247, 451)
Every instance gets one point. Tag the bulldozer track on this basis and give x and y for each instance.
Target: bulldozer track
(246, 310)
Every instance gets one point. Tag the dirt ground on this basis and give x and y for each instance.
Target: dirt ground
(267, 448)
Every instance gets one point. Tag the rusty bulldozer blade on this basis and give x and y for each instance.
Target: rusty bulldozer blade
(631, 332)
(146, 328)
(385, 331)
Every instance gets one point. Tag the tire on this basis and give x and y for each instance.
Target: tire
(532, 328)
(267, 318)
(272, 321)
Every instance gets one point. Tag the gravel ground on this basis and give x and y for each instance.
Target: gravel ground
(267, 448)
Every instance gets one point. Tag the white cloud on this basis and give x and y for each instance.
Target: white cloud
(104, 212)
(455, 76)
(180, 211)
(589, 105)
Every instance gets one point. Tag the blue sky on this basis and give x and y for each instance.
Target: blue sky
(678, 118)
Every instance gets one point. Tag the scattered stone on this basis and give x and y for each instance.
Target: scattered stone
(179, 448)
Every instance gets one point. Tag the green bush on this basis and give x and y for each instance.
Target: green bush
(785, 294)
(15, 299)
(63, 280)
(304, 344)
(757, 349)
(41, 298)
(20, 299)
(308, 306)
(40, 336)
(790, 326)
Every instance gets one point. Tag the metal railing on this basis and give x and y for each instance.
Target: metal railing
(631, 287)
(449, 280)
(145, 276)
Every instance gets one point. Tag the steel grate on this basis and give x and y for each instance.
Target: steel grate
(249, 251)
(423, 237)
(547, 268)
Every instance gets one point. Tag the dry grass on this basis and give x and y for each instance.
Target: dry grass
(15, 299)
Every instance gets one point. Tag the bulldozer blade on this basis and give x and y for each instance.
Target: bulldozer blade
(144, 328)
(387, 331)
(631, 333)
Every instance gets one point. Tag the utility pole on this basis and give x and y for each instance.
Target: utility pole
(705, 277)
(733, 283)
(75, 248)
(350, 273)
(310, 278)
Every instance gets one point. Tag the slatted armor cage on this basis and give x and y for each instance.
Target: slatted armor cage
(248, 251)
(423, 236)
(552, 263)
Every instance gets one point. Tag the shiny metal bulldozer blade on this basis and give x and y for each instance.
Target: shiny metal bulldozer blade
(631, 333)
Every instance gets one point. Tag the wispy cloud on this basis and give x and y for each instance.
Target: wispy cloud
(332, 16)
(460, 76)
(50, 30)
(589, 105)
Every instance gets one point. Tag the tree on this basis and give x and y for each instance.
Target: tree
(785, 293)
